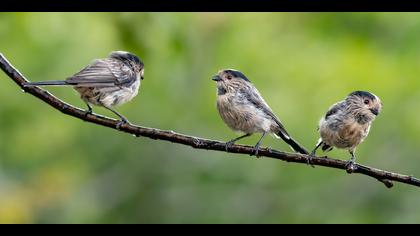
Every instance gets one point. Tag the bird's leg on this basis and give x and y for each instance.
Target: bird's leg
(312, 154)
(350, 164)
(231, 142)
(123, 119)
(257, 146)
(89, 110)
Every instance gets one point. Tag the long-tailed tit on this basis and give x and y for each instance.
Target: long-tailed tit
(106, 82)
(243, 109)
(347, 123)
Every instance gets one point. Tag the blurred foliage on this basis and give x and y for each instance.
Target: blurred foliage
(57, 169)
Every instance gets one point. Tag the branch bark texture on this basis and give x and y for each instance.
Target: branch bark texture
(383, 176)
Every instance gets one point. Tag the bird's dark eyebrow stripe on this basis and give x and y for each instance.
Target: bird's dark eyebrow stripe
(238, 74)
(363, 94)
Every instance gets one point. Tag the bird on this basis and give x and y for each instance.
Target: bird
(105, 82)
(347, 123)
(243, 109)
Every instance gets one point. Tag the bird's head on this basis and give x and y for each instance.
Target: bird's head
(131, 60)
(230, 80)
(365, 103)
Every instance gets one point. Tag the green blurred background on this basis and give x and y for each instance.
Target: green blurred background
(57, 169)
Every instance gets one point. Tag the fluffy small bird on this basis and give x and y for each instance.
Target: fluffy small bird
(106, 82)
(347, 123)
(243, 109)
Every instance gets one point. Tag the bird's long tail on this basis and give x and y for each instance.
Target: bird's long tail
(293, 144)
(46, 83)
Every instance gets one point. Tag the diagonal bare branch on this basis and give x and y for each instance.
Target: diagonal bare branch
(383, 176)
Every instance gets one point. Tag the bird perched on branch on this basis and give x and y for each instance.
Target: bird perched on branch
(106, 82)
(243, 109)
(347, 123)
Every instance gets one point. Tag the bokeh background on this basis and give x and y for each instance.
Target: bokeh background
(57, 169)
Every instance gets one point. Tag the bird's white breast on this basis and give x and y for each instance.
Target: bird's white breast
(243, 117)
(346, 134)
(122, 95)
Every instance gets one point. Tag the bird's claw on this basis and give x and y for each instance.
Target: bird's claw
(350, 167)
(255, 152)
(228, 145)
(88, 112)
(309, 159)
(121, 122)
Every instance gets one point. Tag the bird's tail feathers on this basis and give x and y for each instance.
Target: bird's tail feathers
(292, 143)
(46, 83)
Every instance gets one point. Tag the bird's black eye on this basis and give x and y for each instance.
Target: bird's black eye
(229, 77)
(367, 101)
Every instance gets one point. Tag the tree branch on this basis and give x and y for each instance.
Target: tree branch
(383, 176)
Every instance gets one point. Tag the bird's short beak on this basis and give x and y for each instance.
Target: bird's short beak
(142, 74)
(375, 111)
(216, 78)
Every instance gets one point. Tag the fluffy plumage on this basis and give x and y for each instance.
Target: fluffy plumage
(243, 109)
(347, 123)
(106, 82)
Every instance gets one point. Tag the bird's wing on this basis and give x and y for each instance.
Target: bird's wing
(103, 73)
(253, 96)
(334, 109)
